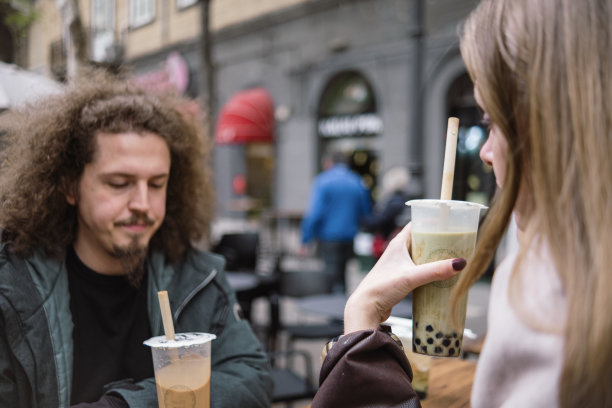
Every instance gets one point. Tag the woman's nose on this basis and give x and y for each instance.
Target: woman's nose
(486, 152)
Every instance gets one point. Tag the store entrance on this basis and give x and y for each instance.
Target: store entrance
(348, 122)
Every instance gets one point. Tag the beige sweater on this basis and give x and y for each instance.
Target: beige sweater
(520, 366)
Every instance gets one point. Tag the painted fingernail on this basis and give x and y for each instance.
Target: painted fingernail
(458, 263)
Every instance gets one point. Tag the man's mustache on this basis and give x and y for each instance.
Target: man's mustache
(136, 219)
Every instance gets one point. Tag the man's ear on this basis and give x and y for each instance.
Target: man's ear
(70, 192)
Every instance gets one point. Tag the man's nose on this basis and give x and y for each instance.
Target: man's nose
(139, 199)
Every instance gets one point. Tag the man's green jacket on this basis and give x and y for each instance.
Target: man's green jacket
(36, 332)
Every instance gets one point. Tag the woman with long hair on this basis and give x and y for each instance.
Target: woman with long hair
(541, 73)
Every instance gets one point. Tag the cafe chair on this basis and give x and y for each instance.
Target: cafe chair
(301, 283)
(241, 251)
(289, 385)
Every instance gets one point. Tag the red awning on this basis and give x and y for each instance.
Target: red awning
(247, 117)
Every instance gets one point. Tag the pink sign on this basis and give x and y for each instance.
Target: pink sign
(173, 75)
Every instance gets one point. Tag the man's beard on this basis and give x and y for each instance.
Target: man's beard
(133, 260)
(134, 255)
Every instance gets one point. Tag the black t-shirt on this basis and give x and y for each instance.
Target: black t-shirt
(110, 323)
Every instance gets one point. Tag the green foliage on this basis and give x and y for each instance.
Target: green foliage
(19, 15)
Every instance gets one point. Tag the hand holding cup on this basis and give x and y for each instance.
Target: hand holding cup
(392, 278)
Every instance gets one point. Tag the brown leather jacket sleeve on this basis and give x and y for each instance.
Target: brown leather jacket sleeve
(366, 369)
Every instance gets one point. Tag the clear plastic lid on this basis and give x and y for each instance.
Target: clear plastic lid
(180, 340)
(451, 203)
(444, 215)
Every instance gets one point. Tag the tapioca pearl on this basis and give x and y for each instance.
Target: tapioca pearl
(417, 341)
(429, 340)
(429, 328)
(416, 325)
(438, 350)
(451, 351)
(446, 342)
(456, 343)
(455, 335)
(439, 335)
(424, 349)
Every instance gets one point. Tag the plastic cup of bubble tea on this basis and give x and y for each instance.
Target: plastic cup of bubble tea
(420, 364)
(441, 229)
(182, 369)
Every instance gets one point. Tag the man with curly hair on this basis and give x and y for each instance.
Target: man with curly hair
(104, 190)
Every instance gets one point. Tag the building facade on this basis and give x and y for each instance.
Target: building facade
(376, 79)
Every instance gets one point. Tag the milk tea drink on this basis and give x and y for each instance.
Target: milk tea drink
(182, 370)
(419, 363)
(441, 229)
(184, 383)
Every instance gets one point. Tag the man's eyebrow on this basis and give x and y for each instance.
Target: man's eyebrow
(130, 175)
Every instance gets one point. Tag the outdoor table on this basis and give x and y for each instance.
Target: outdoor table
(242, 281)
(332, 306)
(247, 286)
(450, 383)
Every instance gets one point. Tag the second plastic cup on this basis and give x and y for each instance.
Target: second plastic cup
(441, 229)
(182, 369)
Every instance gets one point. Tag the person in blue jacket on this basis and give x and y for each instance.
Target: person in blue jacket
(104, 191)
(338, 202)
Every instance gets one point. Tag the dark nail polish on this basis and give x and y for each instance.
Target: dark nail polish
(458, 263)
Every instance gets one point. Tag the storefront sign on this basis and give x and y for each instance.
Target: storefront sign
(367, 124)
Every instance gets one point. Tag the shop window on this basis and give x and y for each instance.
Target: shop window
(259, 171)
(246, 123)
(103, 29)
(181, 4)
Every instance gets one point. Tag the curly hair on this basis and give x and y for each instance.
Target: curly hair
(48, 144)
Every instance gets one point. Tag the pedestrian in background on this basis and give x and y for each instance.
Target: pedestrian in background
(338, 203)
(390, 213)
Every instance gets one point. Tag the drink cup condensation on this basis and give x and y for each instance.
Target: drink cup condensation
(182, 369)
(441, 229)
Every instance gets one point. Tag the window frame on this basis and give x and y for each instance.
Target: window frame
(141, 12)
(183, 4)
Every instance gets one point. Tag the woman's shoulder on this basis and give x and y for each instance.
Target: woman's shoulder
(520, 356)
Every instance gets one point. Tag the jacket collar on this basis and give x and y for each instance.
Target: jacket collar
(183, 280)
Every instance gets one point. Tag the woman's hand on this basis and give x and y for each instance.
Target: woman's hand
(390, 280)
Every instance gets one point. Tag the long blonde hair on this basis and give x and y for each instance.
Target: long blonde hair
(542, 70)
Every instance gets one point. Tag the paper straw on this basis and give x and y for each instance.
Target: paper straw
(164, 305)
(449, 159)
